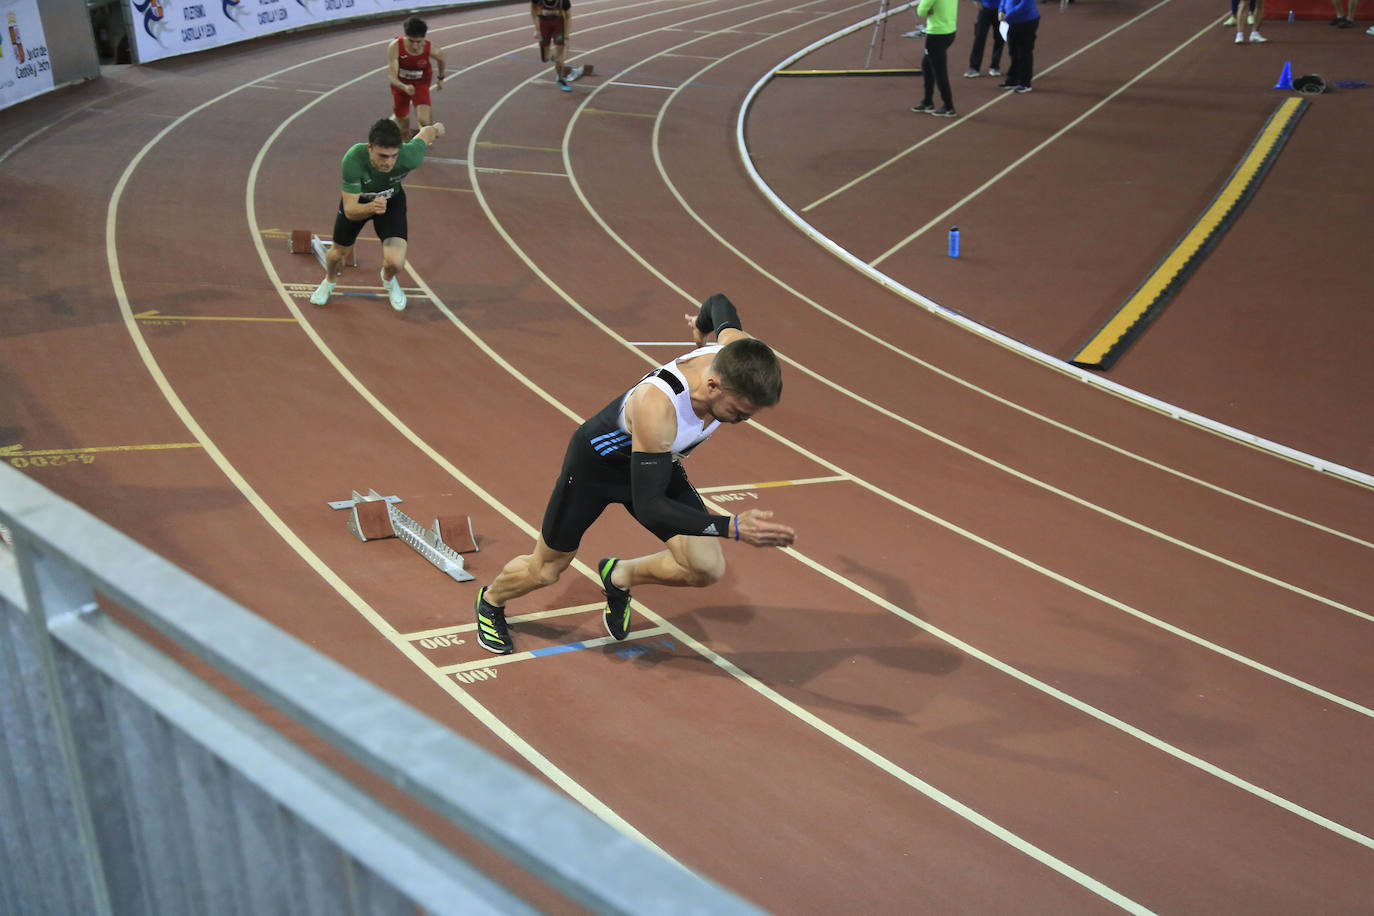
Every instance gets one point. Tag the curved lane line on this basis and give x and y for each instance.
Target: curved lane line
(451, 687)
(383, 626)
(858, 398)
(995, 100)
(1079, 705)
(951, 377)
(861, 750)
(1215, 427)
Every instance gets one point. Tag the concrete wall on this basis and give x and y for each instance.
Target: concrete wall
(67, 29)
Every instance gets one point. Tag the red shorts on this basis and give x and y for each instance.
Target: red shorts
(550, 30)
(400, 102)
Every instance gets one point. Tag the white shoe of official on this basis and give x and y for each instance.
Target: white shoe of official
(394, 293)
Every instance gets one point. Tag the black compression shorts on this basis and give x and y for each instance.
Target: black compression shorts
(389, 225)
(589, 483)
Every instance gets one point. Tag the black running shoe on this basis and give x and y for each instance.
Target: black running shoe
(617, 616)
(944, 112)
(491, 626)
(923, 106)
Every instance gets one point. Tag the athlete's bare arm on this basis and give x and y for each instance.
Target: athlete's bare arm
(437, 55)
(652, 421)
(393, 53)
(360, 211)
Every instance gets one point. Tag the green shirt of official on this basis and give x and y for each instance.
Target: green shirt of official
(942, 16)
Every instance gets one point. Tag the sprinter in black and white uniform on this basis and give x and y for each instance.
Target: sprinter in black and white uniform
(630, 453)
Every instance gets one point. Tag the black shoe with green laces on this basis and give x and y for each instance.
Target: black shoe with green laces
(617, 616)
(491, 626)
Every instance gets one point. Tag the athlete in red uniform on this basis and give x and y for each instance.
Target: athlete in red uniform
(552, 24)
(411, 72)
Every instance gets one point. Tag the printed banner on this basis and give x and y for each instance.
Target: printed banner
(164, 28)
(25, 70)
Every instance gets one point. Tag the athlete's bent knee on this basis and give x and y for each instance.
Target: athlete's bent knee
(706, 572)
(546, 574)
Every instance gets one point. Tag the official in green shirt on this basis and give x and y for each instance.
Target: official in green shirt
(941, 19)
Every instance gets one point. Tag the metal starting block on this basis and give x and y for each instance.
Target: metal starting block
(303, 241)
(374, 516)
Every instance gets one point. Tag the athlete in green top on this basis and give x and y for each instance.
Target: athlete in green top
(371, 190)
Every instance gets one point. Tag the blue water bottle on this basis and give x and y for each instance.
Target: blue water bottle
(1290, 15)
(954, 242)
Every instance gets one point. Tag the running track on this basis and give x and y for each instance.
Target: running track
(1038, 648)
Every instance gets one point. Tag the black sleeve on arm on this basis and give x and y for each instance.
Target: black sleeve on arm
(718, 313)
(650, 473)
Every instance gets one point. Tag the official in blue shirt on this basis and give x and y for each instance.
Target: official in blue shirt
(1023, 21)
(987, 19)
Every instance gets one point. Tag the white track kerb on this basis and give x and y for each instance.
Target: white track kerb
(911, 295)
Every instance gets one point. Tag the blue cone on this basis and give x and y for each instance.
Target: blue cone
(1286, 77)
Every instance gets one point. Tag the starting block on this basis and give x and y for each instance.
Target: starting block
(373, 517)
(303, 241)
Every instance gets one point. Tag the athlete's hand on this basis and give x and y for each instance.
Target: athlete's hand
(697, 335)
(438, 129)
(379, 205)
(439, 84)
(409, 89)
(756, 529)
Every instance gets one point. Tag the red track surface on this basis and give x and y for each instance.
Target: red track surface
(1038, 649)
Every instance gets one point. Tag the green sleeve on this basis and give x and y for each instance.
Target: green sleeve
(352, 169)
(412, 154)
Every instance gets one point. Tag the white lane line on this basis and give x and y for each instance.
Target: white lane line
(597, 642)
(1207, 424)
(383, 627)
(862, 751)
(991, 462)
(1098, 714)
(958, 380)
(1000, 97)
(521, 618)
(972, 195)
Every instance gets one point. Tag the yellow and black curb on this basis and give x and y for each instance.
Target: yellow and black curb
(1149, 298)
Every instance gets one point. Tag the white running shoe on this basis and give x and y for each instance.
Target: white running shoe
(1240, 38)
(1255, 36)
(322, 292)
(394, 293)
(574, 74)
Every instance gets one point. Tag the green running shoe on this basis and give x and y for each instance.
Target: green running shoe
(617, 616)
(491, 626)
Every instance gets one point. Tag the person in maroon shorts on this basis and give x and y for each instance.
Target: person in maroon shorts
(552, 24)
(414, 63)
